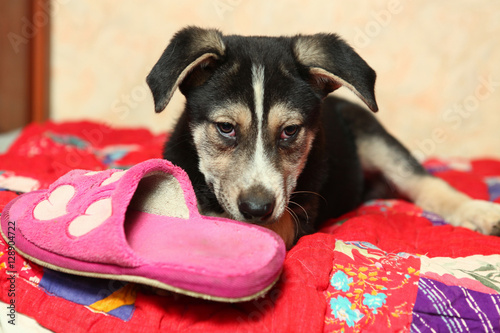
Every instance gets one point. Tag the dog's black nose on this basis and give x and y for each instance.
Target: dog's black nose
(256, 204)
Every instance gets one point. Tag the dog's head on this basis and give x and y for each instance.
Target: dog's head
(254, 105)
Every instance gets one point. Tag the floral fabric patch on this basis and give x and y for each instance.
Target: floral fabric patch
(370, 288)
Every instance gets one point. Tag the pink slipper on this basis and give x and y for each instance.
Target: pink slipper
(142, 225)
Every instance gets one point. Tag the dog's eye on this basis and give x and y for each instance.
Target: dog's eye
(289, 132)
(226, 129)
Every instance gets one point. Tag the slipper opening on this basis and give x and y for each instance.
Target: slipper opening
(160, 193)
(159, 229)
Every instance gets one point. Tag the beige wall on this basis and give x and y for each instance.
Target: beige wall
(438, 62)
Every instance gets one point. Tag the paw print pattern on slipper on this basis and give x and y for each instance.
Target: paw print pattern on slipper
(114, 177)
(95, 215)
(56, 205)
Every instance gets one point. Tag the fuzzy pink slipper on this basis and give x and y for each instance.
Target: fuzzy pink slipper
(142, 225)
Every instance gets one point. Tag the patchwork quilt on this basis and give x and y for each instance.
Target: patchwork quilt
(388, 266)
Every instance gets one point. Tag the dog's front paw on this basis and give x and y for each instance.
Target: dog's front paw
(478, 215)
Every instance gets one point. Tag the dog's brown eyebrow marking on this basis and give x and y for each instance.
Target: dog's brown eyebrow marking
(236, 113)
(282, 115)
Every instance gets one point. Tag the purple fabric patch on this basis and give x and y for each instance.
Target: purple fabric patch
(435, 219)
(433, 169)
(442, 308)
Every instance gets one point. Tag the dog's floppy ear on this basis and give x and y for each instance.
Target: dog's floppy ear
(184, 62)
(332, 63)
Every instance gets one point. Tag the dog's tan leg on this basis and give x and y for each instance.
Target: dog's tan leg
(435, 195)
(431, 193)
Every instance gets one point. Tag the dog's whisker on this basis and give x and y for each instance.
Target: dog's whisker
(309, 192)
(303, 209)
(295, 219)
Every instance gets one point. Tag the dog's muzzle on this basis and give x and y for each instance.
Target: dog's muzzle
(256, 204)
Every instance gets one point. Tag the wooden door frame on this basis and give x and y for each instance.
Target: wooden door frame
(40, 61)
(24, 62)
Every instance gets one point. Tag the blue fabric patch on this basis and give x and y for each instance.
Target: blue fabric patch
(69, 140)
(493, 187)
(84, 290)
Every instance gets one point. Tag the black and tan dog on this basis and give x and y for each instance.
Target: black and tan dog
(263, 143)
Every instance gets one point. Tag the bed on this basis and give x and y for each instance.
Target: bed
(388, 266)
